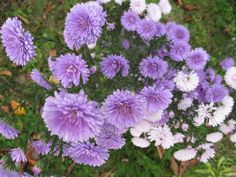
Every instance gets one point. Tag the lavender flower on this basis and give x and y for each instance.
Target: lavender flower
(37, 77)
(129, 20)
(123, 109)
(216, 93)
(89, 154)
(17, 42)
(41, 147)
(70, 69)
(179, 51)
(17, 155)
(160, 29)
(178, 33)
(153, 67)
(110, 137)
(227, 63)
(113, 64)
(84, 24)
(197, 59)
(7, 131)
(72, 116)
(146, 29)
(125, 44)
(157, 99)
(36, 170)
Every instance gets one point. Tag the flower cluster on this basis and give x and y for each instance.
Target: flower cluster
(174, 87)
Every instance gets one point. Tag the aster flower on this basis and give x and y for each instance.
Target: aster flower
(153, 67)
(8, 173)
(165, 84)
(36, 170)
(37, 77)
(208, 153)
(169, 26)
(138, 6)
(230, 77)
(228, 127)
(130, 20)
(162, 136)
(110, 137)
(70, 70)
(185, 154)
(165, 6)
(197, 59)
(72, 116)
(113, 64)
(110, 26)
(178, 33)
(41, 147)
(214, 137)
(233, 138)
(216, 93)
(153, 12)
(123, 109)
(119, 2)
(17, 155)
(84, 24)
(154, 116)
(146, 29)
(17, 42)
(156, 99)
(89, 154)
(125, 44)
(160, 29)
(227, 63)
(186, 82)
(142, 127)
(140, 142)
(7, 131)
(179, 51)
(185, 103)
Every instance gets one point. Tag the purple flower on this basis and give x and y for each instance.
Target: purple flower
(17, 155)
(178, 33)
(36, 170)
(157, 99)
(179, 51)
(110, 26)
(110, 137)
(153, 67)
(37, 77)
(197, 59)
(7, 131)
(113, 64)
(218, 79)
(163, 52)
(210, 74)
(165, 84)
(123, 109)
(41, 147)
(160, 29)
(146, 29)
(70, 69)
(125, 44)
(216, 93)
(72, 116)
(164, 119)
(89, 154)
(84, 24)
(17, 42)
(129, 20)
(169, 26)
(227, 63)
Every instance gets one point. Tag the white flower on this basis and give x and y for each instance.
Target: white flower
(230, 77)
(162, 136)
(185, 154)
(119, 1)
(138, 6)
(198, 121)
(185, 127)
(214, 137)
(104, 1)
(208, 153)
(140, 142)
(91, 46)
(134, 132)
(227, 105)
(179, 138)
(153, 117)
(165, 6)
(153, 12)
(227, 128)
(217, 118)
(143, 126)
(185, 103)
(233, 138)
(186, 82)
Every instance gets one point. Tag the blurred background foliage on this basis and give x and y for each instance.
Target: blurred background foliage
(212, 24)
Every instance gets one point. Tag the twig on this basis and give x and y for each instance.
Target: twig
(70, 169)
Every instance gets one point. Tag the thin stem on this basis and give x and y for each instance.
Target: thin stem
(70, 169)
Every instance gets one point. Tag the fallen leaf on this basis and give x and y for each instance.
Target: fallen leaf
(5, 108)
(5, 73)
(188, 19)
(18, 109)
(53, 53)
(106, 174)
(174, 166)
(160, 151)
(23, 19)
(191, 7)
(48, 8)
(31, 155)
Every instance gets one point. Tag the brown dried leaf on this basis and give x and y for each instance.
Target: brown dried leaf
(174, 166)
(5, 73)
(188, 19)
(53, 53)
(5, 108)
(160, 151)
(23, 19)
(191, 7)
(48, 8)
(106, 174)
